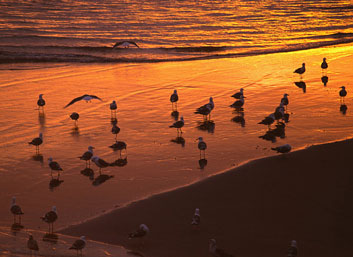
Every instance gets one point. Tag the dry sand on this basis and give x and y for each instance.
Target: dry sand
(253, 210)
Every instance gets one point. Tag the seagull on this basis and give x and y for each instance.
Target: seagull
(37, 142)
(238, 94)
(87, 98)
(206, 109)
(54, 165)
(215, 251)
(87, 156)
(100, 162)
(174, 99)
(343, 93)
(179, 124)
(79, 244)
(293, 250)
(202, 146)
(119, 145)
(32, 244)
(115, 130)
(285, 100)
(300, 70)
(125, 44)
(196, 219)
(282, 149)
(279, 112)
(268, 120)
(142, 231)
(50, 217)
(113, 108)
(324, 64)
(41, 102)
(75, 116)
(16, 210)
(239, 103)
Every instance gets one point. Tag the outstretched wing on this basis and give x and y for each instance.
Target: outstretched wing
(75, 100)
(95, 97)
(133, 43)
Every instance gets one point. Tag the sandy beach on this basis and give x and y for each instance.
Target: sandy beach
(253, 210)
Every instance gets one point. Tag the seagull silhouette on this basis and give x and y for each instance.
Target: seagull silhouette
(125, 44)
(87, 98)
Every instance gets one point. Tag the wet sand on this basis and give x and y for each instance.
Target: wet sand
(253, 210)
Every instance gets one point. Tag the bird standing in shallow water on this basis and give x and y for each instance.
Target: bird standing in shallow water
(238, 94)
(202, 147)
(37, 142)
(179, 124)
(54, 165)
(196, 219)
(16, 210)
(113, 107)
(239, 103)
(87, 156)
(285, 100)
(50, 217)
(174, 100)
(32, 244)
(282, 149)
(41, 103)
(78, 245)
(142, 231)
(75, 116)
(100, 163)
(268, 120)
(115, 130)
(300, 70)
(324, 65)
(206, 109)
(343, 93)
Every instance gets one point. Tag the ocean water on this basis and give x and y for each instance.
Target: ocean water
(63, 49)
(85, 31)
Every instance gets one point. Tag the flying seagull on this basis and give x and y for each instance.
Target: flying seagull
(125, 44)
(87, 98)
(50, 217)
(78, 245)
(215, 251)
(16, 210)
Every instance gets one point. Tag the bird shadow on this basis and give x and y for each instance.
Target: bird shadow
(343, 109)
(202, 163)
(324, 80)
(88, 172)
(302, 85)
(55, 182)
(175, 115)
(207, 125)
(75, 132)
(51, 238)
(179, 140)
(114, 121)
(101, 179)
(41, 119)
(16, 227)
(239, 118)
(38, 158)
(272, 134)
(121, 162)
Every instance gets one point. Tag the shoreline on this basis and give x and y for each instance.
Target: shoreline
(261, 207)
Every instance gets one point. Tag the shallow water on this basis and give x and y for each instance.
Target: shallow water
(154, 162)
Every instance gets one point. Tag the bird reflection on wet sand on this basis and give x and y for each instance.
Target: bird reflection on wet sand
(207, 125)
(202, 163)
(55, 182)
(121, 162)
(175, 115)
(272, 134)
(41, 119)
(38, 158)
(16, 227)
(51, 238)
(75, 132)
(88, 172)
(324, 80)
(302, 85)
(179, 140)
(343, 109)
(239, 118)
(101, 179)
